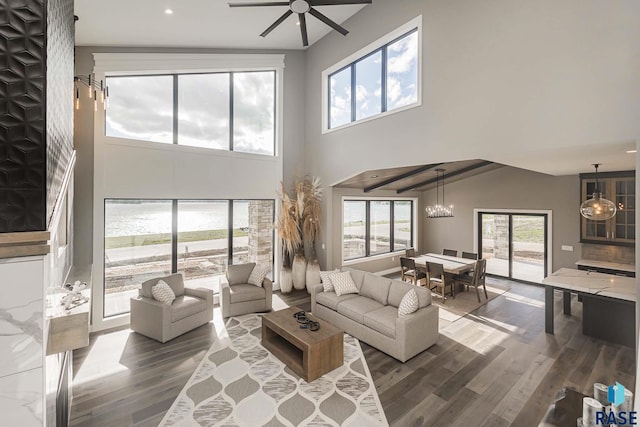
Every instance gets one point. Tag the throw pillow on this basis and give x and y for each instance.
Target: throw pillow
(409, 303)
(343, 283)
(162, 292)
(325, 278)
(258, 274)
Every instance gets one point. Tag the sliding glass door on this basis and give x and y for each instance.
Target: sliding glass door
(514, 245)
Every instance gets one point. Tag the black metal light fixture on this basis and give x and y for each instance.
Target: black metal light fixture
(439, 210)
(96, 89)
(598, 208)
(301, 8)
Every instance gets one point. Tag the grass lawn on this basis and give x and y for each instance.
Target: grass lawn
(161, 238)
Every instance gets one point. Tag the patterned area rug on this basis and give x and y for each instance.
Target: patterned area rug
(239, 383)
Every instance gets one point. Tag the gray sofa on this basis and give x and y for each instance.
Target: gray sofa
(372, 315)
(239, 297)
(163, 322)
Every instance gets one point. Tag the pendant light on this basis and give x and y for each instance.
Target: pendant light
(439, 210)
(597, 208)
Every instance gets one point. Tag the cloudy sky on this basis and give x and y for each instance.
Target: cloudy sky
(141, 108)
(402, 77)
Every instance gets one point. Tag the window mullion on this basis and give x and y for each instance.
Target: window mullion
(353, 92)
(174, 236)
(367, 229)
(175, 108)
(230, 233)
(231, 124)
(383, 81)
(392, 225)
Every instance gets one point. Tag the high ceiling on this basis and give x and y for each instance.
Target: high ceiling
(194, 23)
(417, 178)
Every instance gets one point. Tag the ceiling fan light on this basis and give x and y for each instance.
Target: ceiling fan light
(300, 6)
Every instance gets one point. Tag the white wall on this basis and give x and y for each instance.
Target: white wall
(137, 169)
(541, 84)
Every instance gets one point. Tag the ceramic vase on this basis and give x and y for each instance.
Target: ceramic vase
(313, 270)
(298, 270)
(286, 283)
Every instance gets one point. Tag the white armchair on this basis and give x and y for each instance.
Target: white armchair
(163, 322)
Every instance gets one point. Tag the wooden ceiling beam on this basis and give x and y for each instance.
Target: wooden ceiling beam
(450, 175)
(402, 176)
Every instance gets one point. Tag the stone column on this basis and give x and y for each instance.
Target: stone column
(260, 233)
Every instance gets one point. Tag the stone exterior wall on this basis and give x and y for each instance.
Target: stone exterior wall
(261, 231)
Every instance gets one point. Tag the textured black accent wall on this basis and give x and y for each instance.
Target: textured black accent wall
(59, 94)
(22, 120)
(36, 71)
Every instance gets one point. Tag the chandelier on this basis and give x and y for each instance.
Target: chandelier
(96, 89)
(439, 210)
(597, 208)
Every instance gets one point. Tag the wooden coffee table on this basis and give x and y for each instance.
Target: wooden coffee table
(308, 354)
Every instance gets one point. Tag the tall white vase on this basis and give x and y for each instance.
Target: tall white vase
(298, 271)
(286, 283)
(313, 269)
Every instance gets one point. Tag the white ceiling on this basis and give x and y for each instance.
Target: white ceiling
(195, 23)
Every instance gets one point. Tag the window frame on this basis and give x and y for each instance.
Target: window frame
(140, 64)
(175, 236)
(175, 89)
(413, 26)
(367, 244)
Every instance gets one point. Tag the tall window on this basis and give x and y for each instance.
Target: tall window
(150, 238)
(381, 79)
(225, 111)
(373, 227)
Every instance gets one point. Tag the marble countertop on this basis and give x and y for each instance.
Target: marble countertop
(608, 265)
(590, 282)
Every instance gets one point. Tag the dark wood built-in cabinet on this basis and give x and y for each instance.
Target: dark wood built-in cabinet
(620, 188)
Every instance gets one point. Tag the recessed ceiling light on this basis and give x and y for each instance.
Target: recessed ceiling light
(631, 151)
(374, 176)
(168, 11)
(298, 23)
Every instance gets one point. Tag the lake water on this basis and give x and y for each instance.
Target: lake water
(127, 218)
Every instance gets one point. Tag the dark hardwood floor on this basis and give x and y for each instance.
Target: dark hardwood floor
(493, 367)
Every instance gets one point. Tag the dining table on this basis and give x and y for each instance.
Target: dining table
(450, 264)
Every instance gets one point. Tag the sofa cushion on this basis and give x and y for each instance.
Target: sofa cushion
(245, 292)
(239, 274)
(356, 308)
(376, 288)
(409, 303)
(331, 300)
(382, 320)
(175, 281)
(343, 283)
(185, 306)
(398, 289)
(356, 275)
(325, 279)
(258, 274)
(163, 292)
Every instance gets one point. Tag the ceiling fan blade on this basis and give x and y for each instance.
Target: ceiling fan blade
(278, 22)
(273, 3)
(303, 29)
(328, 21)
(338, 2)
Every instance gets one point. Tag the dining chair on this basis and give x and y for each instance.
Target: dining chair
(408, 270)
(470, 255)
(477, 279)
(410, 252)
(437, 280)
(449, 252)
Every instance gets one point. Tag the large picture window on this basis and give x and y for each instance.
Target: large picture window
(374, 227)
(382, 78)
(150, 238)
(225, 111)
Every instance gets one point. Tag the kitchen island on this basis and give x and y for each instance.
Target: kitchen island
(608, 310)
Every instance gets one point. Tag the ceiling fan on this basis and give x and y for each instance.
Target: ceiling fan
(301, 7)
